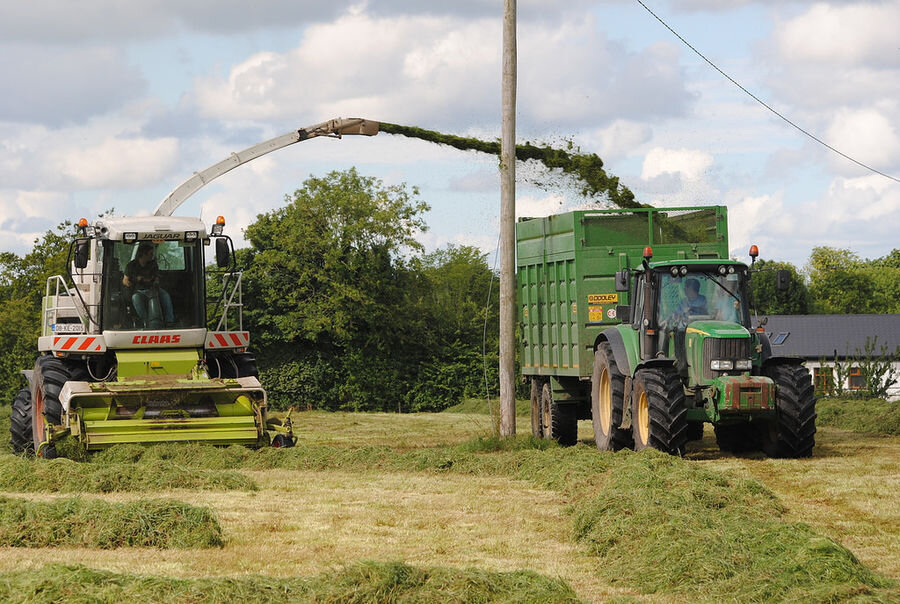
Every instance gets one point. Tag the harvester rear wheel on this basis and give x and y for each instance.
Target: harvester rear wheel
(536, 408)
(558, 422)
(792, 433)
(608, 401)
(659, 414)
(21, 437)
(50, 374)
(228, 365)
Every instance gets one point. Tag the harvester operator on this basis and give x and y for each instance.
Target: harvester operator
(142, 274)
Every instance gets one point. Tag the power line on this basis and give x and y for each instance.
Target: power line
(760, 101)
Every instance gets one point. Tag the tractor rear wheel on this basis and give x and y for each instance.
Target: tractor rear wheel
(608, 401)
(558, 422)
(792, 433)
(659, 414)
(20, 433)
(536, 409)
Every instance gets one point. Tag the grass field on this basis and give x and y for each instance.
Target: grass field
(438, 505)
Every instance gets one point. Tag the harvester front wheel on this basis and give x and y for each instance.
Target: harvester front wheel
(50, 374)
(20, 433)
(792, 433)
(608, 401)
(659, 414)
(558, 422)
(536, 409)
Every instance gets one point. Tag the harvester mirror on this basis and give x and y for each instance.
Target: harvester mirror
(622, 281)
(223, 253)
(782, 280)
(82, 252)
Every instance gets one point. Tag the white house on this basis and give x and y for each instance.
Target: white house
(819, 339)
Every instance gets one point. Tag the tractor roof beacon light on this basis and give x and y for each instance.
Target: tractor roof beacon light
(754, 252)
(648, 253)
(219, 226)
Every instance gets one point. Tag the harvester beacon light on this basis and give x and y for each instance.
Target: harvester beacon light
(82, 226)
(754, 252)
(219, 226)
(648, 253)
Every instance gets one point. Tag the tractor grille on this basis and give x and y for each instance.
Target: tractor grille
(725, 349)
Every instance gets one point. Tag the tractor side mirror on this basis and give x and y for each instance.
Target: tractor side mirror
(223, 253)
(623, 279)
(82, 252)
(782, 280)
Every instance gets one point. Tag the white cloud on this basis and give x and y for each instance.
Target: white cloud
(866, 135)
(689, 163)
(118, 162)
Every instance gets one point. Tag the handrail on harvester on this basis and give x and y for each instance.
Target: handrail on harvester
(335, 128)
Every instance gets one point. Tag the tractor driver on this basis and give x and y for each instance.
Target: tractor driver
(694, 302)
(142, 274)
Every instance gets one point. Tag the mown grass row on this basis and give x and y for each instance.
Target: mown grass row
(873, 416)
(28, 475)
(78, 522)
(656, 522)
(362, 582)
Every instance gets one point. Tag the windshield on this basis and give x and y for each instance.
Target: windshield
(151, 286)
(701, 295)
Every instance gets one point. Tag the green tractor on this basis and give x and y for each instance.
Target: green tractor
(686, 354)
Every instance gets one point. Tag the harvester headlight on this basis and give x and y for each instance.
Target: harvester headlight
(743, 364)
(191, 235)
(129, 237)
(720, 365)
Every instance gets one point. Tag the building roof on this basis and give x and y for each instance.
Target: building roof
(818, 336)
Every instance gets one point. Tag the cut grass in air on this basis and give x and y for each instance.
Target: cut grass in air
(76, 522)
(361, 582)
(874, 416)
(29, 475)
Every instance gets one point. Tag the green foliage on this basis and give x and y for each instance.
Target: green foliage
(367, 581)
(876, 365)
(78, 522)
(767, 299)
(843, 283)
(874, 416)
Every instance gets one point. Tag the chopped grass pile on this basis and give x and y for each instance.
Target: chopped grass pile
(666, 525)
(874, 416)
(28, 475)
(362, 582)
(77, 522)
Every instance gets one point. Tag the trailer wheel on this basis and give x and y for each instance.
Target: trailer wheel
(737, 438)
(536, 430)
(659, 414)
(21, 437)
(608, 401)
(50, 374)
(558, 422)
(792, 433)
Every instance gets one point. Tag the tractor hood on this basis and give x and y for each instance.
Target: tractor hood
(716, 329)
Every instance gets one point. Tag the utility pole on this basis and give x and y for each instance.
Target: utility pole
(508, 227)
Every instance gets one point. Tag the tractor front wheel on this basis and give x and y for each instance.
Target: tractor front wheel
(608, 401)
(21, 437)
(792, 432)
(659, 414)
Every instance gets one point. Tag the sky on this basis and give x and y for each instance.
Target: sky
(111, 105)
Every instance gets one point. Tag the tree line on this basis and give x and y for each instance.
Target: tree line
(347, 312)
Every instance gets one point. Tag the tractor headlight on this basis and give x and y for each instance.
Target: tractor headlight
(720, 365)
(743, 364)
